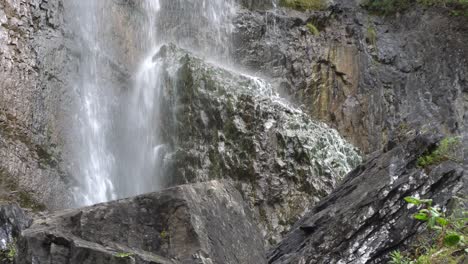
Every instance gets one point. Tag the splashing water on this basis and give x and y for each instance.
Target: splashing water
(120, 150)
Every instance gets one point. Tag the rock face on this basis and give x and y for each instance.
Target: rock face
(366, 218)
(225, 124)
(199, 223)
(33, 67)
(373, 78)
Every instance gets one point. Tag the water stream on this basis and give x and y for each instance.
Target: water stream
(119, 150)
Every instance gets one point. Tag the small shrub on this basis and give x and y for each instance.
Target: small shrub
(303, 5)
(313, 29)
(447, 241)
(398, 258)
(446, 150)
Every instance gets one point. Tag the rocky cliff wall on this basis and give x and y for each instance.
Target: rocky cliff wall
(33, 81)
(374, 78)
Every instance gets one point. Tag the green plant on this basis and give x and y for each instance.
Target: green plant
(303, 5)
(123, 255)
(398, 258)
(371, 36)
(8, 254)
(312, 29)
(446, 234)
(446, 150)
(163, 235)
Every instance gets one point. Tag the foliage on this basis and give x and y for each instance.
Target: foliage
(371, 36)
(163, 234)
(388, 7)
(303, 5)
(123, 255)
(447, 245)
(8, 255)
(313, 29)
(446, 150)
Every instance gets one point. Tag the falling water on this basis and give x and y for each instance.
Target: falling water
(120, 151)
(119, 147)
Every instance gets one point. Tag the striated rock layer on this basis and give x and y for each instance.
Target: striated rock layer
(366, 218)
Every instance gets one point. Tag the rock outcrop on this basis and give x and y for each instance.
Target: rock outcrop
(200, 223)
(373, 78)
(366, 218)
(225, 124)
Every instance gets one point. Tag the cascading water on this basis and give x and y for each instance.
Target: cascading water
(123, 127)
(120, 152)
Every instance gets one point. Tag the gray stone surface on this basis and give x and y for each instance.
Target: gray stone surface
(366, 218)
(32, 85)
(224, 124)
(199, 223)
(414, 77)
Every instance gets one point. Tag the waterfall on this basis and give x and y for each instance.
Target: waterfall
(121, 147)
(118, 148)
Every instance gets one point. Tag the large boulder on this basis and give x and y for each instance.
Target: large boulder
(366, 218)
(221, 123)
(199, 223)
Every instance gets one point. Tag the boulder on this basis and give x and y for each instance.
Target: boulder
(199, 223)
(366, 218)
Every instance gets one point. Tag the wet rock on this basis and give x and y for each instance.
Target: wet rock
(198, 223)
(372, 78)
(222, 123)
(366, 218)
(13, 220)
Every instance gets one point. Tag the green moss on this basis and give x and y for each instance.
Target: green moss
(303, 5)
(371, 36)
(123, 255)
(163, 235)
(446, 150)
(313, 29)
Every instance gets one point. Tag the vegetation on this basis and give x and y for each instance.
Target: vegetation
(371, 36)
(163, 235)
(8, 255)
(388, 7)
(312, 29)
(447, 236)
(123, 255)
(303, 5)
(446, 150)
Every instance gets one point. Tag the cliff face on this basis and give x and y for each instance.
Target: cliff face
(374, 78)
(33, 81)
(380, 81)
